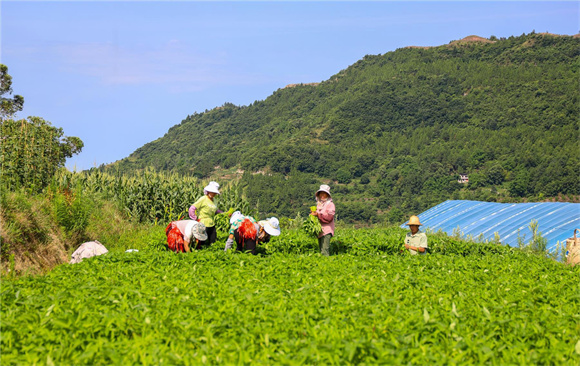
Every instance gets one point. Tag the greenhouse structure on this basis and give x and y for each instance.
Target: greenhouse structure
(482, 220)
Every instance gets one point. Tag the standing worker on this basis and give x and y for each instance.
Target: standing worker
(248, 233)
(415, 241)
(180, 234)
(204, 211)
(325, 211)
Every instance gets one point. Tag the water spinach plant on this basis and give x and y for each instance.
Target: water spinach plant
(312, 225)
(366, 304)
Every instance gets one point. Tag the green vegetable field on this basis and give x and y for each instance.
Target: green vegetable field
(289, 305)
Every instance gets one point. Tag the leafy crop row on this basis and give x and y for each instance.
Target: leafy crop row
(367, 304)
(389, 240)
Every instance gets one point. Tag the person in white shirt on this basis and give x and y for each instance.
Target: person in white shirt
(415, 241)
(181, 233)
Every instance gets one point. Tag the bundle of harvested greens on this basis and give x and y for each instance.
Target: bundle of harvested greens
(312, 225)
(222, 221)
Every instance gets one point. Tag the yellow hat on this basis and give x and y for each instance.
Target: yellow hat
(414, 220)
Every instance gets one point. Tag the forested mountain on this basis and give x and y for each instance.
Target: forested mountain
(392, 132)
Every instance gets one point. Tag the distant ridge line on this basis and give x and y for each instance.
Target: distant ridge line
(475, 38)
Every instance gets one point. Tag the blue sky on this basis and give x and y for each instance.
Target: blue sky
(120, 74)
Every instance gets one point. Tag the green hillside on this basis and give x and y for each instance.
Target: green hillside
(392, 132)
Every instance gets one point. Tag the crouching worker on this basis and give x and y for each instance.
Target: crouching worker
(180, 235)
(415, 241)
(248, 233)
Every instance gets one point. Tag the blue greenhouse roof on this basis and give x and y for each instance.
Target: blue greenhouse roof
(556, 220)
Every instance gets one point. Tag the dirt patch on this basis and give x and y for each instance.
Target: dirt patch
(318, 141)
(301, 84)
(471, 39)
(529, 43)
(549, 34)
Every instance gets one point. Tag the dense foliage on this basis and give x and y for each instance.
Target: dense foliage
(210, 307)
(398, 128)
(149, 196)
(8, 106)
(31, 152)
(41, 229)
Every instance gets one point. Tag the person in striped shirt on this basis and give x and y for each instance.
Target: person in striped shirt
(248, 233)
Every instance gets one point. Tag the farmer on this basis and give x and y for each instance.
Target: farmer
(180, 234)
(415, 241)
(325, 212)
(204, 211)
(248, 233)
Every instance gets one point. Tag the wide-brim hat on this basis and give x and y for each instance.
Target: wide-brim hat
(271, 226)
(213, 187)
(236, 215)
(414, 220)
(198, 231)
(323, 188)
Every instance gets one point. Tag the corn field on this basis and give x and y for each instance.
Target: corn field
(149, 196)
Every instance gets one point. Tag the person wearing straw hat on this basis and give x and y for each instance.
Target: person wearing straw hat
(248, 233)
(180, 234)
(204, 210)
(325, 211)
(415, 241)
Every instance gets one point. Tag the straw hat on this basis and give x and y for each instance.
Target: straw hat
(271, 225)
(323, 188)
(414, 220)
(212, 187)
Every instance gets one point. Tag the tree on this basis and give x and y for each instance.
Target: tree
(519, 187)
(364, 179)
(395, 216)
(343, 176)
(8, 106)
(31, 149)
(31, 152)
(495, 175)
(476, 180)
